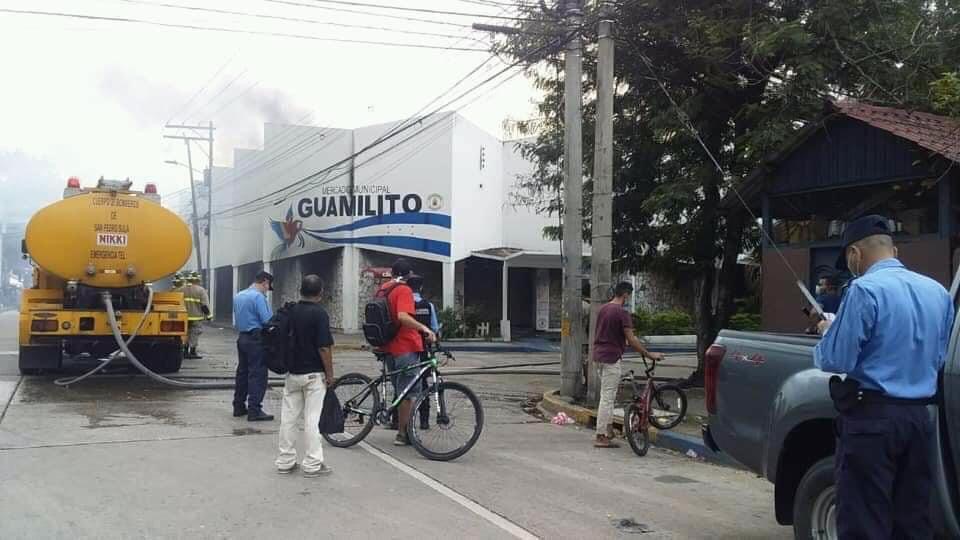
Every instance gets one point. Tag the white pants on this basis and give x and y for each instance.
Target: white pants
(302, 399)
(609, 376)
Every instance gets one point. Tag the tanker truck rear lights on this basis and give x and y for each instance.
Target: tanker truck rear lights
(44, 325)
(172, 326)
(73, 182)
(150, 189)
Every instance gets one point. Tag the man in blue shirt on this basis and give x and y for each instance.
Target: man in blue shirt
(250, 313)
(889, 338)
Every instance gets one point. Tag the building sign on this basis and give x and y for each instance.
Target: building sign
(378, 216)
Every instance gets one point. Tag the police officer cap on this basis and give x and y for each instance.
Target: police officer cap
(864, 227)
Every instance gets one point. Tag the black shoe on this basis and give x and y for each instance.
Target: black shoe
(424, 425)
(239, 411)
(259, 416)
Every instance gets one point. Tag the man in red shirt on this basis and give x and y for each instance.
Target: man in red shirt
(405, 348)
(614, 332)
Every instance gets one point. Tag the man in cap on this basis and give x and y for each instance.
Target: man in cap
(251, 312)
(889, 338)
(198, 310)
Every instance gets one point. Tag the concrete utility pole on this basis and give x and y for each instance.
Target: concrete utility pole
(209, 280)
(205, 273)
(572, 325)
(602, 253)
(196, 220)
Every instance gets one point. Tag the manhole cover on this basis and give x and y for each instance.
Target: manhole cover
(672, 479)
(630, 525)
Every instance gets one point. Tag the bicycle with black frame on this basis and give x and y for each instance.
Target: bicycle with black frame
(458, 414)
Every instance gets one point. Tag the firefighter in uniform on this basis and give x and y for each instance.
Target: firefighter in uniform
(177, 283)
(198, 310)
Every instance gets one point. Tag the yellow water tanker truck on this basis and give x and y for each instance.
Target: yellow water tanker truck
(97, 241)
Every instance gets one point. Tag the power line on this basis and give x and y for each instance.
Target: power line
(394, 133)
(233, 30)
(371, 13)
(202, 88)
(218, 94)
(234, 100)
(291, 19)
(419, 10)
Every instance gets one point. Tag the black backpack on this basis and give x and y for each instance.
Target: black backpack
(277, 340)
(379, 328)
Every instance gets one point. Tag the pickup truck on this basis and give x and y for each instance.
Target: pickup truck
(770, 410)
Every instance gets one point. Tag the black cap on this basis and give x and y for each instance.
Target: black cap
(264, 276)
(401, 268)
(864, 227)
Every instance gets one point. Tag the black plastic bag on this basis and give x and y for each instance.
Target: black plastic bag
(331, 417)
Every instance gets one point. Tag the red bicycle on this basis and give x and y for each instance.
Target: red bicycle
(664, 406)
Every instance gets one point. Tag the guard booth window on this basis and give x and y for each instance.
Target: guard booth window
(822, 216)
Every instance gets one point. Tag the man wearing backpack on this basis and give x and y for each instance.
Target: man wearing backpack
(310, 373)
(405, 347)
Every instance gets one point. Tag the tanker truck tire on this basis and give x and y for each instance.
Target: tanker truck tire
(159, 358)
(35, 359)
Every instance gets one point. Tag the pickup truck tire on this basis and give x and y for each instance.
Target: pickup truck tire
(814, 507)
(636, 433)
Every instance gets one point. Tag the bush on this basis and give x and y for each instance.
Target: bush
(748, 322)
(664, 323)
(464, 324)
(451, 326)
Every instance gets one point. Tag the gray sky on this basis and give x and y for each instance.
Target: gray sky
(89, 98)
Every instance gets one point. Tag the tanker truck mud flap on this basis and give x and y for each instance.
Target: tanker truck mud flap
(37, 358)
(159, 357)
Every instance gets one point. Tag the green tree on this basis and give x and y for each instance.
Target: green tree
(744, 76)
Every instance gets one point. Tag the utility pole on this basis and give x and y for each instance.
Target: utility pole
(209, 179)
(205, 273)
(602, 252)
(196, 220)
(572, 325)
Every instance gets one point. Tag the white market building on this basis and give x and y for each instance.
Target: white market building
(439, 193)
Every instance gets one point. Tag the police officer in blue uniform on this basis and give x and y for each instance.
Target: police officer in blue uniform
(889, 338)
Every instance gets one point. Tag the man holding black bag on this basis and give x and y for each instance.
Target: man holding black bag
(889, 338)
(309, 374)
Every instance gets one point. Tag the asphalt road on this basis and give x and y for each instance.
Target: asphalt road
(123, 457)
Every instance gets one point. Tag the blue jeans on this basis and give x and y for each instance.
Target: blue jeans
(251, 382)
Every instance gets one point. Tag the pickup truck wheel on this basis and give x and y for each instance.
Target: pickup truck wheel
(815, 508)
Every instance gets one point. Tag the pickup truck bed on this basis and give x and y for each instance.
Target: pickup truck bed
(771, 411)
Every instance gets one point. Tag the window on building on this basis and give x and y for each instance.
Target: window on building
(822, 216)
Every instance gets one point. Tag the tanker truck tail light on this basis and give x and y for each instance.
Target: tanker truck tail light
(44, 325)
(150, 189)
(73, 182)
(172, 326)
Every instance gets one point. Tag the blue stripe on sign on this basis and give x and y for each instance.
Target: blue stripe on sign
(406, 218)
(435, 247)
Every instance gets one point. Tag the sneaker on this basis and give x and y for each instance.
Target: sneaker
(239, 411)
(401, 440)
(602, 441)
(323, 470)
(288, 470)
(259, 416)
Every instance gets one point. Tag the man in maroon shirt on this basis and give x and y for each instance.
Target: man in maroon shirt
(614, 332)
(405, 348)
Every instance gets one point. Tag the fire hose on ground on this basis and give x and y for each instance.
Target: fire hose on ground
(184, 382)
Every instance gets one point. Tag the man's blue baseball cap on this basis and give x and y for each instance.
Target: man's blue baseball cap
(864, 227)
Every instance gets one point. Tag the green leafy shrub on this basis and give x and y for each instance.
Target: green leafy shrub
(664, 323)
(747, 322)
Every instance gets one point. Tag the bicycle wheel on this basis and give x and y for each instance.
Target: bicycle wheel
(668, 406)
(450, 435)
(635, 431)
(359, 403)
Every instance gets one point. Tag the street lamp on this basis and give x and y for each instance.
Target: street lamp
(175, 162)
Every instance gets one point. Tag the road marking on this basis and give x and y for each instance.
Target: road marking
(496, 519)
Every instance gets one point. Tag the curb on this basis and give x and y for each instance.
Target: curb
(687, 445)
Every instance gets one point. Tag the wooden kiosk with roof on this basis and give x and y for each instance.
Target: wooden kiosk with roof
(857, 159)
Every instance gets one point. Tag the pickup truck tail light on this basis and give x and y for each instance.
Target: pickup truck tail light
(712, 360)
